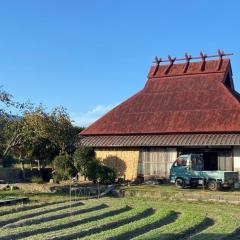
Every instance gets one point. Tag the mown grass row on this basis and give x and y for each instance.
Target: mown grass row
(227, 220)
(138, 227)
(99, 225)
(188, 223)
(57, 215)
(24, 207)
(20, 215)
(93, 209)
(66, 218)
(126, 218)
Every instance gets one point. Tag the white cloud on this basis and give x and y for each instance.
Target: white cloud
(87, 118)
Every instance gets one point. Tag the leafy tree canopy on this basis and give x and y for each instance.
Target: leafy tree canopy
(82, 157)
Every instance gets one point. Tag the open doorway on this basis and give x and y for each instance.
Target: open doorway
(210, 161)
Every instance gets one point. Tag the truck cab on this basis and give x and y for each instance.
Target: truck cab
(188, 170)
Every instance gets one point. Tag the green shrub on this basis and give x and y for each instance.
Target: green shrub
(108, 175)
(82, 157)
(96, 171)
(63, 167)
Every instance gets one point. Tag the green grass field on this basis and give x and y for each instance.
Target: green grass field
(50, 216)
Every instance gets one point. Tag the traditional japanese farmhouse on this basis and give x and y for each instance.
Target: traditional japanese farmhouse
(187, 105)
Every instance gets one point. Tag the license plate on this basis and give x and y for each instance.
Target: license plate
(200, 181)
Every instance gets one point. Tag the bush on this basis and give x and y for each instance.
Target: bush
(96, 171)
(63, 167)
(108, 175)
(82, 157)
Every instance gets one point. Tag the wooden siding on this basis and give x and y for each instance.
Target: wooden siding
(123, 161)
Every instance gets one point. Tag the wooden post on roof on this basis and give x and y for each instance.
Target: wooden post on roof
(203, 57)
(188, 58)
(157, 61)
(171, 61)
(220, 54)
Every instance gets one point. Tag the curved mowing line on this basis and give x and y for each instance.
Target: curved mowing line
(58, 216)
(188, 233)
(26, 234)
(106, 226)
(26, 208)
(37, 213)
(146, 228)
(235, 235)
(67, 225)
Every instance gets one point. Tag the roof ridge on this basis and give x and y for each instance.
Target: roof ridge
(194, 68)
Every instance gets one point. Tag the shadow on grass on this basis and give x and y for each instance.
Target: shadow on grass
(146, 213)
(29, 222)
(22, 208)
(185, 235)
(146, 228)
(25, 234)
(205, 236)
(37, 213)
(233, 236)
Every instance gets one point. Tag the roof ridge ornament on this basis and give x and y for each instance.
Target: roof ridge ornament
(171, 62)
(220, 54)
(157, 61)
(203, 57)
(188, 59)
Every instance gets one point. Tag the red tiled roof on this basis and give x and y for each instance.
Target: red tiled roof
(197, 101)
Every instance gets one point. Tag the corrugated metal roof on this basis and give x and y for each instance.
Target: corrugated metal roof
(193, 102)
(162, 140)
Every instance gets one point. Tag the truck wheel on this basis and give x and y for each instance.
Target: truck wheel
(213, 185)
(180, 183)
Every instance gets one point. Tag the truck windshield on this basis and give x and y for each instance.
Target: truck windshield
(181, 161)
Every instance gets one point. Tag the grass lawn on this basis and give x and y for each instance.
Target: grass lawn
(50, 216)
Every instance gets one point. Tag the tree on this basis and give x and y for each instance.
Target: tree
(82, 157)
(5, 102)
(41, 134)
(63, 167)
(43, 151)
(61, 130)
(37, 134)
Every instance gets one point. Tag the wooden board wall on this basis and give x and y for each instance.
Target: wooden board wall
(123, 161)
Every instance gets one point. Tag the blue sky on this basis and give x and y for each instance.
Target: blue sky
(89, 55)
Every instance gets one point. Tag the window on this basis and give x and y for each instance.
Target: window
(181, 161)
(197, 162)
